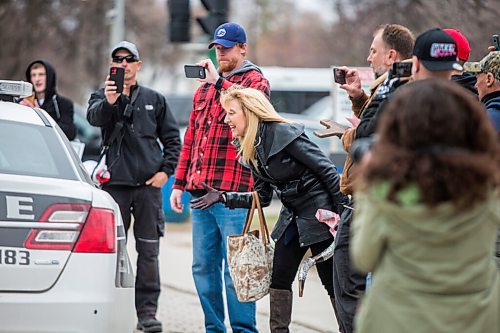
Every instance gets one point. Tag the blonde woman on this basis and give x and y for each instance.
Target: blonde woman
(282, 158)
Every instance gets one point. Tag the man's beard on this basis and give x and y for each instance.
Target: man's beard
(379, 71)
(227, 67)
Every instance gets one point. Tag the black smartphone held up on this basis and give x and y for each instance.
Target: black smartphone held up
(117, 74)
(401, 69)
(496, 42)
(195, 72)
(339, 75)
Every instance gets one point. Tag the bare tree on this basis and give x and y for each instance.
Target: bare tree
(71, 35)
(74, 34)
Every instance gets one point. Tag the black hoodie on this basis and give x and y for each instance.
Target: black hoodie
(58, 107)
(466, 80)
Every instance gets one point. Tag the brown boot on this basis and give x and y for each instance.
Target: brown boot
(281, 310)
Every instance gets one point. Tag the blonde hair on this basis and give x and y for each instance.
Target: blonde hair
(36, 65)
(256, 108)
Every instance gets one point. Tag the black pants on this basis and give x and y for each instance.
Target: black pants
(348, 283)
(145, 203)
(287, 259)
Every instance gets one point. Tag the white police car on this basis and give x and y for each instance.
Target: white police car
(64, 266)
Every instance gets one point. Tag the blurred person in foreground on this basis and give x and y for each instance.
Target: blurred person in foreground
(207, 156)
(427, 215)
(282, 158)
(133, 123)
(42, 76)
(463, 78)
(391, 43)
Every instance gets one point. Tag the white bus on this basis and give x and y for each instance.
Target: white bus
(294, 89)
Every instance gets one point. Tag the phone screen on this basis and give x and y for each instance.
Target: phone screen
(496, 42)
(194, 72)
(339, 75)
(117, 74)
(401, 69)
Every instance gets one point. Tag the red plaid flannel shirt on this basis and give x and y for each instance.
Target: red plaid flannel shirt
(207, 154)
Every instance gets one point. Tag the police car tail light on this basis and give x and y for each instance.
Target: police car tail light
(98, 233)
(66, 213)
(63, 223)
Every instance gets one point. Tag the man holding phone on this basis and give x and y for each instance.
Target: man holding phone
(208, 157)
(391, 43)
(133, 118)
(463, 78)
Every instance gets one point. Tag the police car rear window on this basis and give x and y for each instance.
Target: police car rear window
(32, 150)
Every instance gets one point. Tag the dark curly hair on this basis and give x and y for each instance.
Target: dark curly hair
(434, 134)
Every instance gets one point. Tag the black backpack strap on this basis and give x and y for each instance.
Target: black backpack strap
(114, 135)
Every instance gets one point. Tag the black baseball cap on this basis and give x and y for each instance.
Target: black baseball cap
(437, 50)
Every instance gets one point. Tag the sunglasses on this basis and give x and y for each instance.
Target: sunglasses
(129, 59)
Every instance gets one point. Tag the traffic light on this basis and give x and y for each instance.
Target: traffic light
(179, 28)
(217, 14)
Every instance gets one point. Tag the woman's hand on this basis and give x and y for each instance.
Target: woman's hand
(212, 197)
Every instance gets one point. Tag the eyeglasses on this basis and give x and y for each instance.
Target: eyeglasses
(129, 59)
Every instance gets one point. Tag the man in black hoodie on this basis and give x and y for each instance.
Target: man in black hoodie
(465, 79)
(43, 77)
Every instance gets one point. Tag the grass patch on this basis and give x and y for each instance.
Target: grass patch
(271, 219)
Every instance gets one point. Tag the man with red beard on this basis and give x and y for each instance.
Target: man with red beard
(208, 157)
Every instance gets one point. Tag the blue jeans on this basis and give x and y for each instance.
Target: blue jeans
(210, 230)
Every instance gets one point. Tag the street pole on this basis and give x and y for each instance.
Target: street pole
(117, 18)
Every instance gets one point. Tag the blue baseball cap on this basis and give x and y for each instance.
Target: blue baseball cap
(228, 35)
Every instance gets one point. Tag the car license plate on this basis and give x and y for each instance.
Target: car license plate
(14, 257)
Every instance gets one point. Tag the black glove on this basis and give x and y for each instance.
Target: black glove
(212, 197)
(341, 200)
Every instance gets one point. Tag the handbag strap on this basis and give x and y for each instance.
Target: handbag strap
(264, 231)
(249, 218)
(262, 220)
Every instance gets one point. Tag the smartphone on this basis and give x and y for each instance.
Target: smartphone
(195, 72)
(496, 42)
(401, 69)
(117, 74)
(339, 75)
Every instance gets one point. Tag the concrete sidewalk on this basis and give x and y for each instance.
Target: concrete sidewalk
(179, 307)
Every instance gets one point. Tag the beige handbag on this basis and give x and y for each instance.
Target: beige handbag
(250, 258)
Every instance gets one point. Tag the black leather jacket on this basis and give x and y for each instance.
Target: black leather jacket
(136, 155)
(301, 175)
